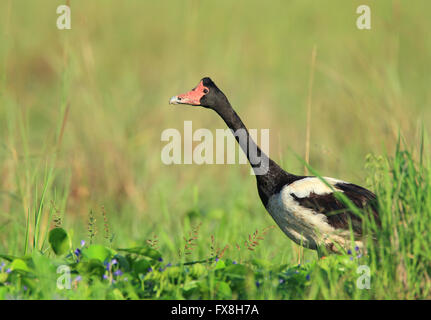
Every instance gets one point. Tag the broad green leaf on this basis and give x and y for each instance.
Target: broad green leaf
(190, 285)
(91, 267)
(223, 290)
(124, 263)
(197, 270)
(98, 252)
(30, 283)
(60, 241)
(19, 265)
(220, 265)
(141, 266)
(192, 289)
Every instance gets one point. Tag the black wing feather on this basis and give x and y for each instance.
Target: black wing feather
(336, 211)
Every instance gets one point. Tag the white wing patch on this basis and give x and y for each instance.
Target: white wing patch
(303, 225)
(302, 188)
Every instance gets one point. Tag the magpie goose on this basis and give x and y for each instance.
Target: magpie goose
(306, 209)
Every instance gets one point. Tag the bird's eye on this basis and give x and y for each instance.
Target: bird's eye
(205, 90)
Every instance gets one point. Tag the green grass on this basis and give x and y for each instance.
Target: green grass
(81, 113)
(396, 259)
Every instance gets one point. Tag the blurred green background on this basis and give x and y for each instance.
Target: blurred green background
(90, 103)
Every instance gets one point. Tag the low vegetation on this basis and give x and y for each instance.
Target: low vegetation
(396, 263)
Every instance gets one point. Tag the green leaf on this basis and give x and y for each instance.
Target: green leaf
(197, 270)
(91, 267)
(19, 265)
(124, 263)
(144, 251)
(190, 285)
(60, 241)
(98, 252)
(236, 270)
(141, 266)
(30, 283)
(220, 265)
(223, 290)
(192, 289)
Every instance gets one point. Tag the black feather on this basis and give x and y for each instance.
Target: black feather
(336, 211)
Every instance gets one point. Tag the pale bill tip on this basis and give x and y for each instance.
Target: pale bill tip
(173, 100)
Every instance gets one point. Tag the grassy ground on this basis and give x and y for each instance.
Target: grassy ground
(82, 111)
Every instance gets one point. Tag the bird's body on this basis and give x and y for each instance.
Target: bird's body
(306, 209)
(303, 208)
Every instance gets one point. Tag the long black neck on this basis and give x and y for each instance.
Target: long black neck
(269, 176)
